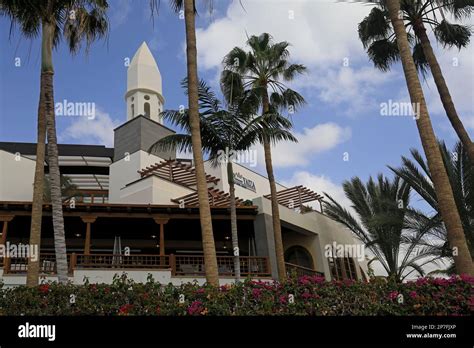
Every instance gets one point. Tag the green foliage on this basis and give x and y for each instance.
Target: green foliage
(395, 233)
(76, 21)
(306, 295)
(377, 36)
(415, 172)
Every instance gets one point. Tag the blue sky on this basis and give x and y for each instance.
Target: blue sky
(343, 100)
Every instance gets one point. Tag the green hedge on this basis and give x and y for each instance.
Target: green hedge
(303, 296)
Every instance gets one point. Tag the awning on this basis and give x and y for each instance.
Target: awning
(175, 171)
(217, 198)
(296, 196)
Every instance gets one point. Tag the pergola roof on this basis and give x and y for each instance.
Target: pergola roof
(217, 198)
(175, 171)
(296, 195)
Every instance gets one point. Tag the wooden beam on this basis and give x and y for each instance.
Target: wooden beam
(3, 240)
(87, 242)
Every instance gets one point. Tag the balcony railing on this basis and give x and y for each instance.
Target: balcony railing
(194, 265)
(15, 265)
(180, 265)
(301, 271)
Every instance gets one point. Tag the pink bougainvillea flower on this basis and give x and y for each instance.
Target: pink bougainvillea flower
(413, 294)
(256, 293)
(393, 295)
(195, 308)
(44, 288)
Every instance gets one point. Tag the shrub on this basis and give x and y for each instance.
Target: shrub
(298, 296)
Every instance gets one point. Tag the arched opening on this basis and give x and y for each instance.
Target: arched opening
(133, 110)
(147, 109)
(297, 255)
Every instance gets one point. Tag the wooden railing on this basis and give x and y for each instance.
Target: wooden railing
(301, 271)
(180, 265)
(194, 265)
(81, 261)
(90, 196)
(15, 265)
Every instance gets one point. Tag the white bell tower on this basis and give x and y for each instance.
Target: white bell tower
(144, 88)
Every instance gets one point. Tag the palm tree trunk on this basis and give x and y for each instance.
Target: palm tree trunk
(440, 179)
(233, 220)
(443, 90)
(280, 257)
(32, 275)
(209, 248)
(53, 165)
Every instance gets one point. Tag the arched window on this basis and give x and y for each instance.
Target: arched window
(298, 255)
(133, 110)
(147, 109)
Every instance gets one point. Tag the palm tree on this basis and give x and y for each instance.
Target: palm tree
(76, 21)
(224, 132)
(461, 176)
(378, 38)
(444, 192)
(68, 189)
(389, 228)
(263, 68)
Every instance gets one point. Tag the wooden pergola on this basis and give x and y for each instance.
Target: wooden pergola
(175, 171)
(216, 197)
(295, 197)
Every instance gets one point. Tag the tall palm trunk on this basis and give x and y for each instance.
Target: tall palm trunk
(233, 220)
(447, 205)
(443, 90)
(209, 248)
(32, 275)
(280, 257)
(53, 165)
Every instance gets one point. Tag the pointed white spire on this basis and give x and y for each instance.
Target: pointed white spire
(143, 72)
(144, 87)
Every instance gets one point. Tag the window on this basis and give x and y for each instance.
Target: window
(299, 256)
(335, 267)
(350, 268)
(147, 109)
(342, 268)
(133, 110)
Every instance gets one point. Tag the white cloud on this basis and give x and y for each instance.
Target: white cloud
(84, 130)
(311, 141)
(323, 45)
(119, 12)
(321, 41)
(458, 70)
(319, 184)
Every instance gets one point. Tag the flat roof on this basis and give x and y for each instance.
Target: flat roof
(63, 149)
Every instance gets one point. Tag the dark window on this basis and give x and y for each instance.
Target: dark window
(147, 109)
(298, 255)
(342, 267)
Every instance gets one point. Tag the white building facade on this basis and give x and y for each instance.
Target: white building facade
(143, 207)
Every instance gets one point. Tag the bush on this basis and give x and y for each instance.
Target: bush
(303, 296)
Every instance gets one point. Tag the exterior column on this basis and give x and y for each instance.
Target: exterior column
(162, 222)
(6, 219)
(88, 220)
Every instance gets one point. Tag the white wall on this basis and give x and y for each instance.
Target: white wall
(16, 177)
(262, 186)
(125, 171)
(106, 276)
(152, 190)
(321, 231)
